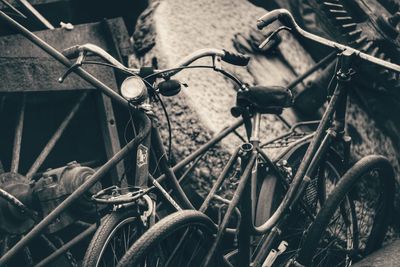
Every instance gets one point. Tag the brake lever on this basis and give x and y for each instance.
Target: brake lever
(78, 63)
(281, 28)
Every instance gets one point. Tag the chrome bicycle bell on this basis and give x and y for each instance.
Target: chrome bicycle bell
(134, 90)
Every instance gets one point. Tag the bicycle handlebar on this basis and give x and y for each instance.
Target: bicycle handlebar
(74, 51)
(286, 18)
(229, 57)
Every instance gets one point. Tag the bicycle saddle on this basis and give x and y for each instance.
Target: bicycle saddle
(263, 99)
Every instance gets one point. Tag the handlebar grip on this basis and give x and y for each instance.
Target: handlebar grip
(71, 52)
(268, 18)
(235, 58)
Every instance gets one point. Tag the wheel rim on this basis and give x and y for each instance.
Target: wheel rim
(354, 230)
(313, 202)
(186, 246)
(118, 242)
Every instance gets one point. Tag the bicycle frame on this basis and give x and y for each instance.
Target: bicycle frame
(330, 129)
(149, 138)
(143, 139)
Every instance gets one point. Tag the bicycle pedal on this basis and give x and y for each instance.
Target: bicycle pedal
(273, 255)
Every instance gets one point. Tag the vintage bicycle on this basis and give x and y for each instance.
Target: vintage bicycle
(349, 217)
(126, 222)
(132, 203)
(133, 198)
(143, 132)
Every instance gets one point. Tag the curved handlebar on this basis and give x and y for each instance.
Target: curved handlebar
(74, 51)
(286, 18)
(229, 57)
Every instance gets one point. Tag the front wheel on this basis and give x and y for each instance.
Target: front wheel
(354, 220)
(180, 239)
(115, 235)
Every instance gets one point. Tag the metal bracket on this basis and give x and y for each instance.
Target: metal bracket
(217, 63)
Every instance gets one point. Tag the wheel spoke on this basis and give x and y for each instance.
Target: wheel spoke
(56, 136)
(28, 256)
(1, 168)
(178, 246)
(4, 246)
(125, 240)
(18, 136)
(198, 247)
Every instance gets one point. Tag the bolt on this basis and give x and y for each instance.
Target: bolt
(72, 163)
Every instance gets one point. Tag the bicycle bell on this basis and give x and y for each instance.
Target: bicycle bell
(134, 90)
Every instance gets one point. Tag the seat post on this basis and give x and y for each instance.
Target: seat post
(255, 133)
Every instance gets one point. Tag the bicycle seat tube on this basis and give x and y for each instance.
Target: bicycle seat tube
(248, 199)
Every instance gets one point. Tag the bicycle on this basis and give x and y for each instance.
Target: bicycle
(143, 131)
(100, 250)
(160, 245)
(137, 195)
(33, 230)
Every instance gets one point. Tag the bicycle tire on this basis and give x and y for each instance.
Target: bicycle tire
(350, 189)
(172, 226)
(98, 251)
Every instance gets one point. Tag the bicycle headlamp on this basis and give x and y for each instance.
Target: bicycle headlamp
(134, 90)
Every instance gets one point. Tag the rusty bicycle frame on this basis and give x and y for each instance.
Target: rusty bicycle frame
(147, 135)
(319, 143)
(331, 128)
(148, 129)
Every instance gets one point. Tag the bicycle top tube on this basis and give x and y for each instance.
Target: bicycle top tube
(286, 18)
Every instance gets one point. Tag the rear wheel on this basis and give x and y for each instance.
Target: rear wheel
(180, 239)
(272, 191)
(354, 220)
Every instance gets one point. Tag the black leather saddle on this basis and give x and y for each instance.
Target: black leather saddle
(263, 99)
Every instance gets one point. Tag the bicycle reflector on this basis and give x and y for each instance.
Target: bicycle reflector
(134, 90)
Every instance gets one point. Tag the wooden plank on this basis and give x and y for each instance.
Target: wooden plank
(24, 67)
(41, 74)
(109, 133)
(18, 46)
(116, 36)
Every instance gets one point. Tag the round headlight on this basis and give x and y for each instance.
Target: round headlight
(134, 90)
